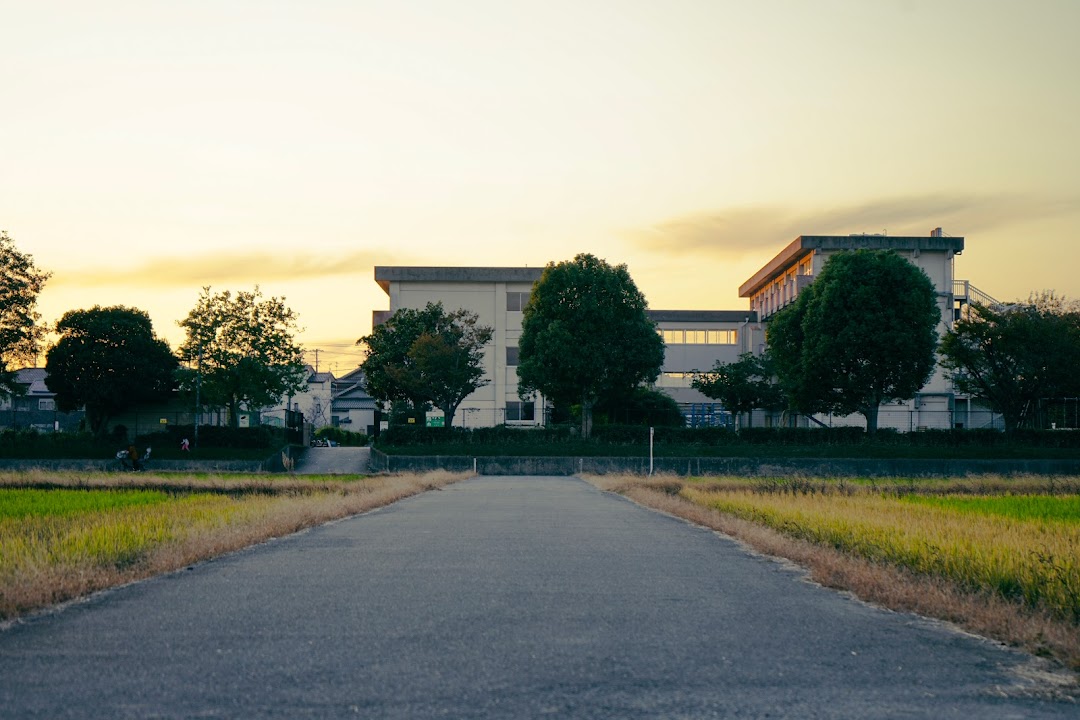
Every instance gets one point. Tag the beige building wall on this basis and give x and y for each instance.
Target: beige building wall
(496, 295)
(781, 280)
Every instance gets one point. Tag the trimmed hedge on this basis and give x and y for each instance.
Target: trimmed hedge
(345, 438)
(215, 436)
(633, 440)
(30, 444)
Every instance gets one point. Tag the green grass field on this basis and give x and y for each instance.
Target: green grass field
(19, 503)
(1064, 509)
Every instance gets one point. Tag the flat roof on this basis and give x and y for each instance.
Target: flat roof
(805, 244)
(702, 316)
(386, 274)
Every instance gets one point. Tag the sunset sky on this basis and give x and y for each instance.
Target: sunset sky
(149, 148)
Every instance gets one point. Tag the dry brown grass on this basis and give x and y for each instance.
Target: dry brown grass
(887, 585)
(262, 509)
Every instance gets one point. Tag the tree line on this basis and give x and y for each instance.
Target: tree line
(239, 349)
(863, 334)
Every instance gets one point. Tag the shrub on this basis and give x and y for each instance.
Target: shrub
(216, 436)
(345, 438)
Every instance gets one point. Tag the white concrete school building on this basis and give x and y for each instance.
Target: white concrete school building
(694, 340)
(497, 296)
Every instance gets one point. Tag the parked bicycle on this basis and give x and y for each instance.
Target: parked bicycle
(129, 459)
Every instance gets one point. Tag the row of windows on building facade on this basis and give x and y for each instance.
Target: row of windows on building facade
(699, 337)
(43, 404)
(516, 301)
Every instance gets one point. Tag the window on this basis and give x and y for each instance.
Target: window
(675, 380)
(695, 337)
(46, 404)
(511, 356)
(519, 411)
(673, 337)
(722, 337)
(516, 301)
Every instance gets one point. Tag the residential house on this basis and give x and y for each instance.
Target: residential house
(351, 408)
(36, 406)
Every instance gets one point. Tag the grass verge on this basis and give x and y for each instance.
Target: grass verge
(63, 536)
(1003, 577)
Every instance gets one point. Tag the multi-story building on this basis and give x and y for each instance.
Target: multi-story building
(779, 282)
(694, 340)
(497, 296)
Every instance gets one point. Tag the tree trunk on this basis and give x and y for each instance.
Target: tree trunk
(448, 415)
(871, 415)
(99, 422)
(586, 418)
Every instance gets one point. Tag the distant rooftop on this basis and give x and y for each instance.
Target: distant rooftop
(386, 274)
(805, 244)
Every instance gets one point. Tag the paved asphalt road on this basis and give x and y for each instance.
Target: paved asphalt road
(334, 460)
(500, 598)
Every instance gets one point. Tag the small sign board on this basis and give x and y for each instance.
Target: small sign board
(436, 421)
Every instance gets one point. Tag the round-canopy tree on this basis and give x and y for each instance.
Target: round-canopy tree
(426, 356)
(108, 360)
(244, 350)
(1017, 354)
(863, 334)
(585, 335)
(20, 332)
(741, 386)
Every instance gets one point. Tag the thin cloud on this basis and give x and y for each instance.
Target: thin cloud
(225, 268)
(735, 232)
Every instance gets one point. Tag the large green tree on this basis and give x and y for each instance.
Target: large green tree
(741, 386)
(20, 329)
(426, 356)
(642, 406)
(108, 360)
(862, 334)
(1016, 354)
(241, 350)
(586, 335)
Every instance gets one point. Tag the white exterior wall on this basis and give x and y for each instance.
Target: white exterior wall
(313, 401)
(486, 406)
(930, 408)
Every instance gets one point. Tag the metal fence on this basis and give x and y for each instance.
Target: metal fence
(41, 420)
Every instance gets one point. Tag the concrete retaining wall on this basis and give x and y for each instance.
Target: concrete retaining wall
(839, 467)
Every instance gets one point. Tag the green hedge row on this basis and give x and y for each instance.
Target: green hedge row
(246, 442)
(406, 435)
(214, 436)
(30, 444)
(345, 438)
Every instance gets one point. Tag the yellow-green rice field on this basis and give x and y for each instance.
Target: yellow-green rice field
(1021, 547)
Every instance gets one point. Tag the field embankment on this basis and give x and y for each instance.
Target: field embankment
(997, 556)
(65, 535)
